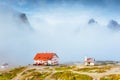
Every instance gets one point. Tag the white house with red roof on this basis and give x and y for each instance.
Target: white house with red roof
(89, 61)
(5, 65)
(46, 59)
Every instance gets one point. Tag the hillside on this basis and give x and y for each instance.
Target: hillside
(63, 72)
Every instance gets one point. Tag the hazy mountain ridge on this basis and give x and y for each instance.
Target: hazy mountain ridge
(112, 24)
(14, 18)
(20, 19)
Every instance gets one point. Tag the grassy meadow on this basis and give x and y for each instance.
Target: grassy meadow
(62, 72)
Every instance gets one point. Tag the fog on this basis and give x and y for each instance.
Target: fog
(67, 32)
(61, 29)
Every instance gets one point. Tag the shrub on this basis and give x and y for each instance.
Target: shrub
(34, 75)
(68, 75)
(94, 69)
(11, 74)
(111, 77)
(65, 68)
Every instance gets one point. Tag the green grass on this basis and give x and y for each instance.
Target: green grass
(111, 77)
(48, 69)
(94, 69)
(34, 75)
(68, 75)
(11, 74)
(64, 68)
(28, 71)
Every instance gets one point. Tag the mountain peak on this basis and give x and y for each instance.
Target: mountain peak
(23, 17)
(114, 25)
(92, 21)
(13, 18)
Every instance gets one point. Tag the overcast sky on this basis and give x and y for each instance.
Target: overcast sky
(59, 26)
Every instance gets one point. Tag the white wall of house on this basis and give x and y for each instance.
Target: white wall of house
(49, 62)
(55, 60)
(92, 64)
(86, 63)
(38, 61)
(2, 66)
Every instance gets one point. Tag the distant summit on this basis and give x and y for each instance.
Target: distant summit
(114, 25)
(13, 18)
(24, 20)
(23, 17)
(92, 21)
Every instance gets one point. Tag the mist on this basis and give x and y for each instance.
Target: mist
(63, 29)
(67, 32)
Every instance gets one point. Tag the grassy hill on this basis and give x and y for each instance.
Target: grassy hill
(73, 72)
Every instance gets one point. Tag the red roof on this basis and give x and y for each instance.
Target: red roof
(90, 60)
(44, 56)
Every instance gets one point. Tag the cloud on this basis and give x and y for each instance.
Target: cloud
(14, 29)
(66, 31)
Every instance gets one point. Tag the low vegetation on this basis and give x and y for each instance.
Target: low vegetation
(34, 75)
(28, 71)
(62, 72)
(111, 77)
(11, 74)
(68, 75)
(48, 69)
(94, 69)
(64, 68)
